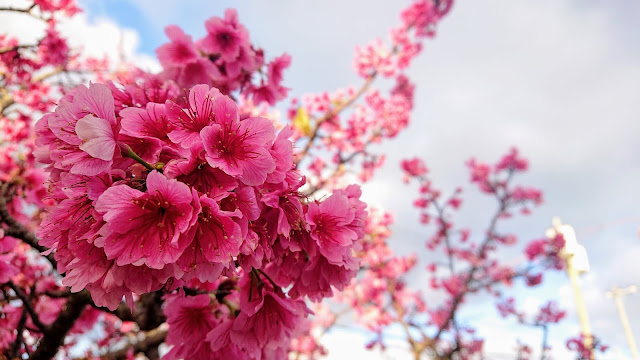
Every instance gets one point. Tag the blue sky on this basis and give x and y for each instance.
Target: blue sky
(558, 78)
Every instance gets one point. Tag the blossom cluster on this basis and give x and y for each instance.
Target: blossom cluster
(586, 346)
(183, 192)
(380, 116)
(223, 58)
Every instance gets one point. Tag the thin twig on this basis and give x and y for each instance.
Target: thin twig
(15, 347)
(26, 302)
(150, 339)
(16, 47)
(335, 111)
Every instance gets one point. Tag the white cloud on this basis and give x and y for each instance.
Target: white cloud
(99, 38)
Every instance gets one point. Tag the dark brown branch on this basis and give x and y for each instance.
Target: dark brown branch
(15, 347)
(481, 255)
(54, 338)
(16, 47)
(150, 314)
(26, 11)
(58, 294)
(123, 312)
(26, 303)
(151, 340)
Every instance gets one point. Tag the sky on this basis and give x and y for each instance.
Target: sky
(559, 79)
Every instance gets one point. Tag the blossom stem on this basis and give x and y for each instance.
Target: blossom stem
(132, 155)
(273, 283)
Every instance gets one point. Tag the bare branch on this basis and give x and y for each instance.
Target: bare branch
(26, 302)
(54, 338)
(143, 343)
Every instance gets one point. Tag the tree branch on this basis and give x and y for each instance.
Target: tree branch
(26, 302)
(48, 346)
(16, 47)
(151, 339)
(481, 254)
(334, 112)
(15, 347)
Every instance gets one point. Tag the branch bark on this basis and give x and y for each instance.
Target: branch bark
(54, 338)
(151, 339)
(26, 303)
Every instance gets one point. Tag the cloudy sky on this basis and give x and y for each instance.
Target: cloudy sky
(559, 79)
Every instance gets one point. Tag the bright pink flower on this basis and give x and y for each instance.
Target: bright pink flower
(535, 248)
(9, 318)
(53, 49)
(225, 36)
(146, 228)
(144, 89)
(150, 122)
(414, 167)
(148, 148)
(512, 161)
(97, 136)
(206, 106)
(267, 320)
(272, 91)
(179, 51)
(330, 227)
(182, 62)
(241, 148)
(195, 172)
(533, 279)
(282, 153)
(375, 57)
(70, 7)
(319, 276)
(454, 285)
(276, 67)
(550, 314)
(77, 148)
(216, 238)
(190, 318)
(7, 270)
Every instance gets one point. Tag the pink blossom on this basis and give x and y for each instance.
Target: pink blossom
(182, 62)
(225, 37)
(77, 148)
(53, 49)
(319, 276)
(216, 238)
(195, 172)
(414, 167)
(180, 51)
(240, 148)
(330, 229)
(206, 105)
(149, 122)
(146, 228)
(535, 248)
(7, 270)
(512, 161)
(267, 320)
(97, 136)
(190, 318)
